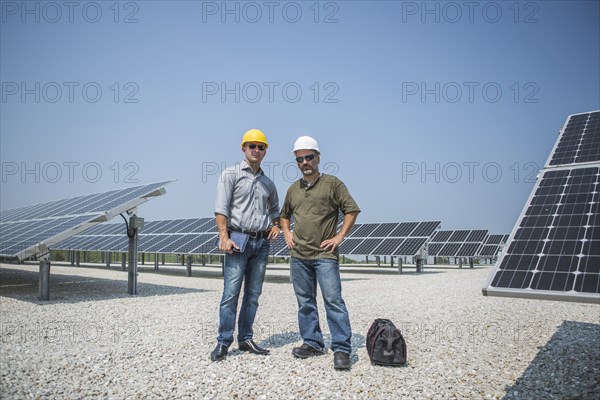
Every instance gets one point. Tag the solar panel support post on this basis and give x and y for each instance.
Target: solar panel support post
(460, 262)
(163, 259)
(378, 261)
(143, 259)
(77, 258)
(71, 258)
(471, 262)
(108, 257)
(133, 242)
(392, 261)
(419, 264)
(189, 265)
(123, 262)
(156, 261)
(44, 288)
(399, 265)
(203, 260)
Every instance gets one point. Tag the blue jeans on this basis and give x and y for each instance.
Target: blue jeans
(249, 266)
(305, 275)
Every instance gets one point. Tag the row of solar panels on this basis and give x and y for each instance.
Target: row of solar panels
(198, 236)
(466, 243)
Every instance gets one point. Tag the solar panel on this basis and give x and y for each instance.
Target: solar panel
(492, 245)
(179, 226)
(388, 246)
(366, 247)
(156, 226)
(458, 243)
(494, 239)
(348, 245)
(426, 229)
(384, 230)
(459, 236)
(554, 249)
(404, 229)
(410, 246)
(189, 246)
(441, 236)
(579, 141)
(477, 236)
(434, 248)
(32, 230)
(449, 249)
(364, 230)
(468, 249)
(353, 229)
(175, 242)
(204, 243)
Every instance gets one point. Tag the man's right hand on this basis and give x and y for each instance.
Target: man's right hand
(227, 245)
(289, 238)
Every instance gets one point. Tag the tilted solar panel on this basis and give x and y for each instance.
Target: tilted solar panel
(366, 246)
(384, 229)
(32, 230)
(554, 249)
(579, 141)
(459, 243)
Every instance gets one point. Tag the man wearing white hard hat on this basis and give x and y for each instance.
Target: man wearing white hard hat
(314, 202)
(247, 217)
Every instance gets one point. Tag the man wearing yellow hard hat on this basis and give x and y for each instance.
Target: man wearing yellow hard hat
(247, 217)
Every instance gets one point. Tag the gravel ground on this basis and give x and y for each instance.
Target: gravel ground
(93, 340)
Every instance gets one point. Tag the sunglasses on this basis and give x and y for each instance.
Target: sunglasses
(309, 157)
(261, 147)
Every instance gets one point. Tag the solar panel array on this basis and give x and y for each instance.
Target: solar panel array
(31, 230)
(458, 243)
(180, 236)
(390, 238)
(554, 249)
(198, 236)
(492, 245)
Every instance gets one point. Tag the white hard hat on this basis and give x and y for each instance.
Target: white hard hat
(306, 143)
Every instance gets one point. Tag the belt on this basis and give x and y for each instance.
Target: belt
(253, 235)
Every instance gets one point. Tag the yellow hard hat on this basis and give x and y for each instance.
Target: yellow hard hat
(255, 135)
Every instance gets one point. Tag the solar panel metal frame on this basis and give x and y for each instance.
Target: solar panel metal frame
(489, 290)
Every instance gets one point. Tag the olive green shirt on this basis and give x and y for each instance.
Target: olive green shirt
(315, 210)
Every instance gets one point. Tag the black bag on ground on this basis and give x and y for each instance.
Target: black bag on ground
(385, 344)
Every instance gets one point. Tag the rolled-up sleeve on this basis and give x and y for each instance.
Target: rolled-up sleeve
(225, 187)
(273, 204)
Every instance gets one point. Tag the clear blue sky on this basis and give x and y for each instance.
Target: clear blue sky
(427, 111)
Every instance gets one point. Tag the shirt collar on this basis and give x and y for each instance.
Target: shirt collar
(245, 165)
(305, 185)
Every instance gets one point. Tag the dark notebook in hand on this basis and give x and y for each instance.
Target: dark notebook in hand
(239, 238)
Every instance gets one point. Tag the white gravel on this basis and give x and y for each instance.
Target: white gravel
(92, 340)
